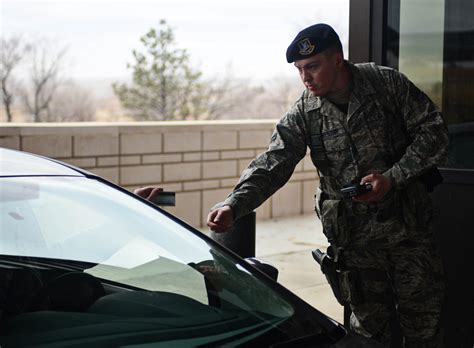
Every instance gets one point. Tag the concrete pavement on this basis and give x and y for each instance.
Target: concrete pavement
(287, 244)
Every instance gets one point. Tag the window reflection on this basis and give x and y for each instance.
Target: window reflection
(421, 45)
(432, 42)
(458, 89)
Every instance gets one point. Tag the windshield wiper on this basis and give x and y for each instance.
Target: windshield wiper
(42, 263)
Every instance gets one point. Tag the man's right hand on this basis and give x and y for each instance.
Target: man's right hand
(221, 219)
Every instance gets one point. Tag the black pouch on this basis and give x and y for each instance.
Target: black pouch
(431, 179)
(417, 206)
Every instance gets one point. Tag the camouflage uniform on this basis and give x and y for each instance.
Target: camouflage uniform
(388, 244)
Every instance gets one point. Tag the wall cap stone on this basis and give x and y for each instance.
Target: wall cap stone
(73, 128)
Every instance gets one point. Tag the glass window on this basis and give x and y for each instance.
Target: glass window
(432, 42)
(421, 45)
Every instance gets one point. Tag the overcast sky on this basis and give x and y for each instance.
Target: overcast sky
(250, 35)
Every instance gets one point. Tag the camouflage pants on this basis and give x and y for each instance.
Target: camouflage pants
(407, 277)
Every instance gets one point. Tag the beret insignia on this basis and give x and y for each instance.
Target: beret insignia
(305, 47)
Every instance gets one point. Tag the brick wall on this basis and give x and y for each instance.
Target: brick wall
(200, 161)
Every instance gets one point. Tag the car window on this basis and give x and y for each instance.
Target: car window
(78, 251)
(21, 163)
(73, 218)
(81, 219)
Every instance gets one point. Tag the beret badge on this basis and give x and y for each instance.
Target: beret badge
(305, 47)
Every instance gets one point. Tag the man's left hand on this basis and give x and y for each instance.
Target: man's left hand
(380, 186)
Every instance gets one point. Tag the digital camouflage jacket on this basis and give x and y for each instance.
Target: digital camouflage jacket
(391, 127)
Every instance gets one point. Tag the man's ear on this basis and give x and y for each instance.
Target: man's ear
(339, 59)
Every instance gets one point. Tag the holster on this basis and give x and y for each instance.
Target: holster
(343, 282)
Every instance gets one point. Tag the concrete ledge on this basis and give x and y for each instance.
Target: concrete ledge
(200, 160)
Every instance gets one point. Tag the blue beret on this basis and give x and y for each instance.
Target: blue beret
(312, 40)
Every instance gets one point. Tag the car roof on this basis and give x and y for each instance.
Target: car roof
(18, 163)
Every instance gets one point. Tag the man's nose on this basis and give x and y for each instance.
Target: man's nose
(305, 76)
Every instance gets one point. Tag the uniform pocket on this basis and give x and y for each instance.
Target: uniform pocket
(335, 139)
(370, 128)
(334, 221)
(350, 291)
(337, 148)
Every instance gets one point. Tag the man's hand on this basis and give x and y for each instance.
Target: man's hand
(220, 219)
(380, 186)
(148, 192)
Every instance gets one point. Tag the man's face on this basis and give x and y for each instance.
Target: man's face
(319, 72)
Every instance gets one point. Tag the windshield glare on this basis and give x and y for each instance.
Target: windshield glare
(130, 247)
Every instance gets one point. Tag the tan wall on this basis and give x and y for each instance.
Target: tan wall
(201, 161)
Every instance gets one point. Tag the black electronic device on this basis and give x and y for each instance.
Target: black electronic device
(354, 190)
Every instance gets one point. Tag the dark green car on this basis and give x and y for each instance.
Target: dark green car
(84, 263)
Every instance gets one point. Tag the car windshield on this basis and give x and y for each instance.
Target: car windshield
(151, 278)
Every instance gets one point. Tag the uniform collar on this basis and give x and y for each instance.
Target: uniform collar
(312, 102)
(362, 86)
(361, 92)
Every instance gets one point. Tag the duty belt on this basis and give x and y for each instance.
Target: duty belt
(382, 211)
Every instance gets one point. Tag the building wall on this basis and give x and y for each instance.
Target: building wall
(200, 161)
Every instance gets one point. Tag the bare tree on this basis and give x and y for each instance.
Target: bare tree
(228, 96)
(234, 99)
(44, 78)
(274, 102)
(12, 52)
(71, 103)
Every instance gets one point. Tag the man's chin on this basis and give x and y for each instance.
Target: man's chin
(316, 92)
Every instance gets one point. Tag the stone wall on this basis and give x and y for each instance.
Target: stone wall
(200, 161)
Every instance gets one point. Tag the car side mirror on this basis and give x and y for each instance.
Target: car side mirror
(264, 267)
